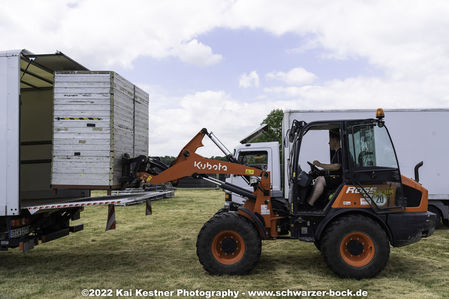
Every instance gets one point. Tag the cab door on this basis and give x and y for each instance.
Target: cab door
(373, 166)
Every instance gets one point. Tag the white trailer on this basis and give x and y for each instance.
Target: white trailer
(31, 210)
(418, 135)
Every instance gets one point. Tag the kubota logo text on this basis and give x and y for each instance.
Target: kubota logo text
(209, 166)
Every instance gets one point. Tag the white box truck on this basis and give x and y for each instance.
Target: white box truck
(36, 134)
(418, 135)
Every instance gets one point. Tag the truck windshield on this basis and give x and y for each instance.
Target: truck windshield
(370, 146)
(257, 159)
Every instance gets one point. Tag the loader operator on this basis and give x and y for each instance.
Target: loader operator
(332, 179)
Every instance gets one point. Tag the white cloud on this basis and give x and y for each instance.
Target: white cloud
(230, 120)
(197, 53)
(363, 92)
(249, 80)
(107, 33)
(406, 40)
(296, 76)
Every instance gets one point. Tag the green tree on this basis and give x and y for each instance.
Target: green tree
(274, 129)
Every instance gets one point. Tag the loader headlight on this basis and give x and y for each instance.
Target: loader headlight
(253, 180)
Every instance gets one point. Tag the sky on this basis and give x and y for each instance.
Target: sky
(224, 65)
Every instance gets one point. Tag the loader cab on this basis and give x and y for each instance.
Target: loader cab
(312, 142)
(369, 175)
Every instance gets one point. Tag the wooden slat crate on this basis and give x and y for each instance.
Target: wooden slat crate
(98, 116)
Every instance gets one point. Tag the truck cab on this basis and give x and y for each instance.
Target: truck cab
(262, 155)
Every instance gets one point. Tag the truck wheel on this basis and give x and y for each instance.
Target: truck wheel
(355, 246)
(228, 244)
(437, 212)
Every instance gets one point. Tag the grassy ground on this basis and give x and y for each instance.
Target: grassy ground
(158, 252)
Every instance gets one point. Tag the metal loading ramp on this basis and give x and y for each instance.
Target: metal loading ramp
(123, 198)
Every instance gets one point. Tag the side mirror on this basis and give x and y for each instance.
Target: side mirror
(295, 129)
(292, 132)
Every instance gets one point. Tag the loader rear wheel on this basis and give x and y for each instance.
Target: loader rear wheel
(228, 244)
(355, 246)
(445, 222)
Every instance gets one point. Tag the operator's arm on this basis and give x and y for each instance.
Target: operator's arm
(327, 167)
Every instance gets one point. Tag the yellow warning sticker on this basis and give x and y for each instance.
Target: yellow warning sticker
(249, 171)
(149, 178)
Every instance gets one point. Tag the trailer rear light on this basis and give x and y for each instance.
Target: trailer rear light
(16, 222)
(19, 222)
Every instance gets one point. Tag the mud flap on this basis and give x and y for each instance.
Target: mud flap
(110, 224)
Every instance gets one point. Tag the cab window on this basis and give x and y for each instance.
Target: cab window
(370, 146)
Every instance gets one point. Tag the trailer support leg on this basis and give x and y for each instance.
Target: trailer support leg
(110, 224)
(148, 210)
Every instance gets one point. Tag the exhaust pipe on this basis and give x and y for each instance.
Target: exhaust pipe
(417, 170)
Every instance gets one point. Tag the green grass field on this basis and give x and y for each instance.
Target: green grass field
(158, 252)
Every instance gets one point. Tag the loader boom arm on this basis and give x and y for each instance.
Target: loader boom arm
(189, 163)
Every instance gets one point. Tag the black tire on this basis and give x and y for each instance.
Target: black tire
(355, 246)
(218, 244)
(437, 212)
(317, 245)
(221, 211)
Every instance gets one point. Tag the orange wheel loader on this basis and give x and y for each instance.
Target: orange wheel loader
(373, 207)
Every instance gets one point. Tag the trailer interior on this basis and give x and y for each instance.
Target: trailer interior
(36, 126)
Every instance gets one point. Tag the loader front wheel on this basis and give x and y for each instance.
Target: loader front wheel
(355, 246)
(221, 211)
(228, 244)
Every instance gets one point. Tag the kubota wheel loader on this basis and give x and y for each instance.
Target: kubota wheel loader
(373, 207)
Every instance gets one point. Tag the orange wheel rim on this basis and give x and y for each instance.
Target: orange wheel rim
(357, 249)
(228, 247)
